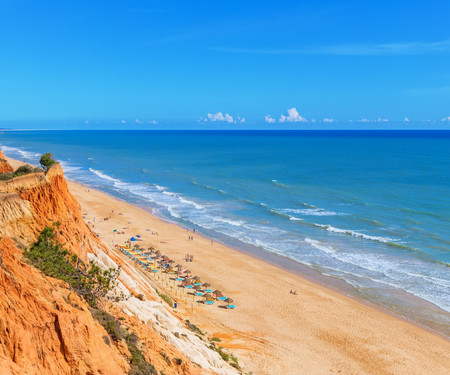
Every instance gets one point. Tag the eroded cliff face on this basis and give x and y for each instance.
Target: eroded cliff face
(45, 328)
(4, 165)
(30, 202)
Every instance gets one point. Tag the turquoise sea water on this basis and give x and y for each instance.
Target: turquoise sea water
(371, 208)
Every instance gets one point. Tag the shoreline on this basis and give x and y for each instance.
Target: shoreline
(272, 329)
(307, 273)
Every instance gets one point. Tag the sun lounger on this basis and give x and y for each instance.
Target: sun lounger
(231, 307)
(221, 298)
(209, 302)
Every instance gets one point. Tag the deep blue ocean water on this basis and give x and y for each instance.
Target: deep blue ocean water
(371, 208)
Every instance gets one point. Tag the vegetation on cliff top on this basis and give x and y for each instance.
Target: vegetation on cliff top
(21, 171)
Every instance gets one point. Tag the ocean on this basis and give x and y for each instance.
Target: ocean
(371, 208)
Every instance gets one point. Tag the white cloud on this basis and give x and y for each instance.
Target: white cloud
(379, 119)
(269, 119)
(293, 116)
(220, 117)
(123, 122)
(328, 120)
(139, 121)
(363, 120)
(446, 119)
(213, 117)
(406, 119)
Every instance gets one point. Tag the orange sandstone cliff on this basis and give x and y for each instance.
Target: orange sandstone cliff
(45, 328)
(30, 202)
(4, 165)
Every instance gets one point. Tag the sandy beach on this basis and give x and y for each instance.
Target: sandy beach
(271, 331)
(317, 331)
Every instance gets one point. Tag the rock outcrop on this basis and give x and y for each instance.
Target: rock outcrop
(4, 165)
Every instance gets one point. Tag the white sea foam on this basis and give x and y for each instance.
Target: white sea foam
(69, 168)
(235, 223)
(29, 156)
(104, 176)
(353, 233)
(312, 212)
(316, 244)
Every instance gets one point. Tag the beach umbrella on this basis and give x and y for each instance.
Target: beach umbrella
(138, 236)
(217, 293)
(228, 300)
(133, 239)
(208, 297)
(171, 261)
(197, 287)
(187, 271)
(179, 266)
(206, 285)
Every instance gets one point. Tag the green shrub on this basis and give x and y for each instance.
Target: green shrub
(47, 160)
(139, 366)
(6, 176)
(166, 298)
(22, 170)
(48, 255)
(178, 361)
(194, 328)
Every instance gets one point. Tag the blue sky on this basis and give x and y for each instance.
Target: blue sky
(210, 63)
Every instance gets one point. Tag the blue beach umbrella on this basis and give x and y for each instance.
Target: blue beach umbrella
(133, 239)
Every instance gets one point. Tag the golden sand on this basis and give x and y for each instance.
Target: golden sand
(317, 331)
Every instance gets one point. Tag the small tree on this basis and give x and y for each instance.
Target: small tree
(47, 160)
